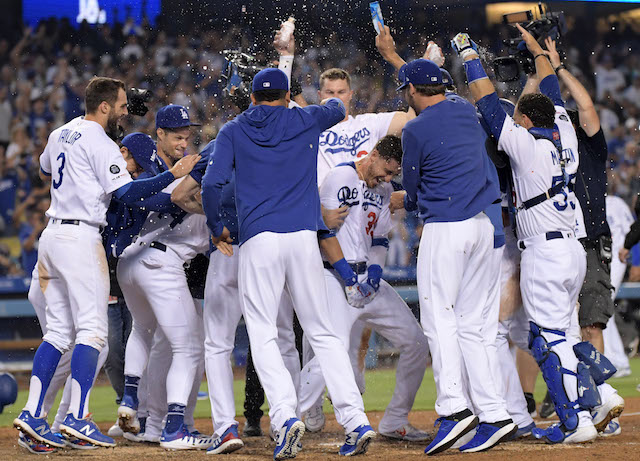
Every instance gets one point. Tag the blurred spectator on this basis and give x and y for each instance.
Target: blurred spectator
(8, 265)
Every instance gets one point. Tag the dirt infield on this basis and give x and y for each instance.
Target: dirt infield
(324, 446)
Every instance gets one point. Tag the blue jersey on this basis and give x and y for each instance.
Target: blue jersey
(274, 152)
(445, 169)
(228, 213)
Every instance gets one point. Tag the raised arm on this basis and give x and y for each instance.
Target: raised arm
(185, 195)
(387, 48)
(217, 174)
(587, 114)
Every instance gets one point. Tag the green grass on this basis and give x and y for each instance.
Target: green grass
(380, 384)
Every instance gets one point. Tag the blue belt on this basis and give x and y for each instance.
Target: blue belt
(358, 268)
(549, 235)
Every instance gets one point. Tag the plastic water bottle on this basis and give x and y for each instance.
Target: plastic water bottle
(286, 31)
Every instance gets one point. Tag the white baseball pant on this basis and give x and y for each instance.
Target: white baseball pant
(62, 375)
(454, 288)
(271, 263)
(613, 347)
(388, 315)
(155, 288)
(552, 272)
(222, 313)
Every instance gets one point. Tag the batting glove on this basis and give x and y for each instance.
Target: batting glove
(360, 294)
(374, 274)
(463, 45)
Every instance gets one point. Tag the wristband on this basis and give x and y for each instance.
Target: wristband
(474, 70)
(559, 68)
(343, 269)
(541, 54)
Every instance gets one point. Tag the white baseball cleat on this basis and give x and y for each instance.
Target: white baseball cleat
(581, 435)
(609, 410)
(315, 419)
(128, 419)
(115, 431)
(182, 439)
(613, 428)
(406, 432)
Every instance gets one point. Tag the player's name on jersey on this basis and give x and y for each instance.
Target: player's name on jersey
(69, 136)
(334, 142)
(567, 154)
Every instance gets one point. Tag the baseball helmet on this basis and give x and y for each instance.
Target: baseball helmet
(143, 149)
(8, 390)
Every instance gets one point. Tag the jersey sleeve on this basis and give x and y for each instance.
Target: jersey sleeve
(385, 224)
(45, 159)
(339, 188)
(381, 123)
(109, 166)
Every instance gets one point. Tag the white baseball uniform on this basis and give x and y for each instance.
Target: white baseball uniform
(553, 263)
(369, 217)
(86, 168)
(151, 275)
(620, 218)
(350, 140)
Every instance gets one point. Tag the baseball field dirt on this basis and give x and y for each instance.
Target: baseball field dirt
(324, 445)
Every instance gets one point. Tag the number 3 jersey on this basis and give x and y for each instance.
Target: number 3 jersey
(369, 215)
(536, 167)
(85, 166)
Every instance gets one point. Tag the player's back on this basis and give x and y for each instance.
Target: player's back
(537, 166)
(275, 157)
(446, 142)
(85, 167)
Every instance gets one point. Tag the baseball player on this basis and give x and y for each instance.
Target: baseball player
(364, 187)
(273, 151)
(153, 281)
(620, 218)
(355, 137)
(86, 168)
(553, 262)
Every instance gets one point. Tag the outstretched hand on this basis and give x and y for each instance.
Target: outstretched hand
(223, 242)
(532, 45)
(551, 52)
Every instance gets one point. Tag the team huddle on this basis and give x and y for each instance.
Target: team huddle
(293, 204)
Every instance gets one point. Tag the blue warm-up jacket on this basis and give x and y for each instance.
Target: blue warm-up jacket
(273, 150)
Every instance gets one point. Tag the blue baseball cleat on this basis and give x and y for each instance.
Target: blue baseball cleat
(38, 429)
(489, 435)
(358, 441)
(523, 431)
(289, 436)
(34, 446)
(128, 415)
(228, 442)
(78, 444)
(451, 429)
(85, 429)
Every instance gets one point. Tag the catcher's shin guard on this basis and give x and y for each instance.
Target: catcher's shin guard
(552, 371)
(599, 366)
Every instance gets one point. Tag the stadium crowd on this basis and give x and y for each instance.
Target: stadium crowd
(44, 73)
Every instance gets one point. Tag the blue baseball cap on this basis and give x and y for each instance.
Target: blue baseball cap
(447, 80)
(419, 72)
(270, 79)
(173, 116)
(143, 150)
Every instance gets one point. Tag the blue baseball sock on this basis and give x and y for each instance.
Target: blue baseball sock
(45, 363)
(175, 417)
(84, 362)
(130, 395)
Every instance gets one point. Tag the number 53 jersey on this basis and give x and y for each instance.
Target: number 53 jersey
(85, 166)
(369, 215)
